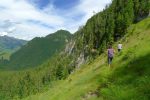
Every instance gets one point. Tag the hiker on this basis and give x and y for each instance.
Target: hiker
(119, 47)
(110, 52)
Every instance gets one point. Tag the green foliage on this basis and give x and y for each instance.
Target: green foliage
(19, 84)
(142, 8)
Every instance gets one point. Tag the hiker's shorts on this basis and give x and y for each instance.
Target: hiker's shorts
(119, 50)
(110, 60)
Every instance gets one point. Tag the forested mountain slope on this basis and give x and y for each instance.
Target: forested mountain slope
(38, 50)
(110, 25)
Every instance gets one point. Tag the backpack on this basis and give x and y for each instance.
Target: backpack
(110, 53)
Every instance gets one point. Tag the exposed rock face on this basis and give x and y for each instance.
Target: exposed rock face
(69, 47)
(80, 60)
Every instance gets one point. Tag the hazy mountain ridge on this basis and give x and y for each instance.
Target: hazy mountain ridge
(10, 43)
(39, 49)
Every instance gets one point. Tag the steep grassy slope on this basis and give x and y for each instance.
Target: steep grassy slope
(38, 50)
(128, 79)
(5, 55)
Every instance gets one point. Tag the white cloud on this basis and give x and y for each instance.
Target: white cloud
(90, 6)
(21, 10)
(3, 33)
(11, 29)
(21, 19)
(29, 30)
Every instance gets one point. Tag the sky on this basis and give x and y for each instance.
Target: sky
(26, 19)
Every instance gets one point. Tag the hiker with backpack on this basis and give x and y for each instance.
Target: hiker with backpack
(110, 52)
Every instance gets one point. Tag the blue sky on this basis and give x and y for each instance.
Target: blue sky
(60, 4)
(26, 19)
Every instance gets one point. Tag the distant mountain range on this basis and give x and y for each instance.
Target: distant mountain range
(38, 50)
(9, 45)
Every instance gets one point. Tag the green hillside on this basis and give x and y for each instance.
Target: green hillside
(128, 79)
(38, 50)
